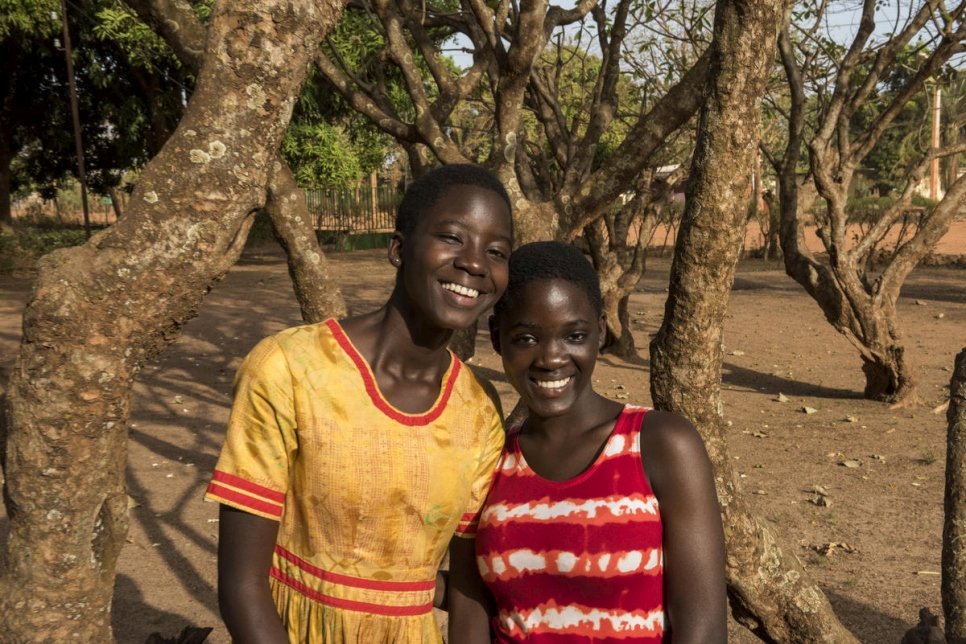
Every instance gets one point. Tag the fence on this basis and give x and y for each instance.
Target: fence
(346, 211)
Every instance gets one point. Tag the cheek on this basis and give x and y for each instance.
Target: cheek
(500, 276)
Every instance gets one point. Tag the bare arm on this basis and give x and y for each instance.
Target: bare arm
(245, 546)
(680, 473)
(469, 618)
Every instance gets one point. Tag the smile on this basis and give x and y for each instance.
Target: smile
(553, 384)
(465, 291)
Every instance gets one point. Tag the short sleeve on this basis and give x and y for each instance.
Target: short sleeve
(252, 472)
(489, 455)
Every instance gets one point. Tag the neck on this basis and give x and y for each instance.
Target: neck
(392, 339)
(586, 414)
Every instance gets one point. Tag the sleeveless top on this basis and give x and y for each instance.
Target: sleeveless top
(578, 560)
(367, 496)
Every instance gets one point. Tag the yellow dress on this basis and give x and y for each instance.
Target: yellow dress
(367, 497)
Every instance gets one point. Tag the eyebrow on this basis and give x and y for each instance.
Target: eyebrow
(531, 325)
(460, 224)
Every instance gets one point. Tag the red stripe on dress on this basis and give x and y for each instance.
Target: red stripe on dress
(355, 582)
(246, 485)
(222, 493)
(373, 389)
(349, 604)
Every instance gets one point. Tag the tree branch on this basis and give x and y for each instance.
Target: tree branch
(177, 24)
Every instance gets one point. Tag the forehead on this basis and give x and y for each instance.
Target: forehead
(469, 205)
(550, 301)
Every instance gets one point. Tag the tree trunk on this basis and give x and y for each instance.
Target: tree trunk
(115, 195)
(99, 311)
(770, 593)
(954, 524)
(463, 342)
(317, 293)
(888, 375)
(6, 214)
(620, 269)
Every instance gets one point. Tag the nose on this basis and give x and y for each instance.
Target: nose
(551, 355)
(472, 259)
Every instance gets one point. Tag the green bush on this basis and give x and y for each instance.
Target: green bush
(22, 249)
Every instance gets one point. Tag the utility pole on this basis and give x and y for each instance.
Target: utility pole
(934, 164)
(75, 114)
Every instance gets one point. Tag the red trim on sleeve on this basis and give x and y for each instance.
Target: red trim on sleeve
(218, 492)
(252, 488)
(348, 604)
(372, 388)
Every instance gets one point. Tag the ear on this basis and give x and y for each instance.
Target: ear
(395, 249)
(494, 333)
(602, 331)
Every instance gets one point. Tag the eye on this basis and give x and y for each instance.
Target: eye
(524, 340)
(499, 253)
(449, 238)
(578, 337)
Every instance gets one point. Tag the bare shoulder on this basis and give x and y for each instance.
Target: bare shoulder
(671, 448)
(669, 433)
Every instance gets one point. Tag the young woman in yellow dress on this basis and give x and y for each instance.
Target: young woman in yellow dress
(357, 448)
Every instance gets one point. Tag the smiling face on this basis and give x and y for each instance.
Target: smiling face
(453, 265)
(549, 336)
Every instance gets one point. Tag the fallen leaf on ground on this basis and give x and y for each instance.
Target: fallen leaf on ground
(850, 463)
(809, 410)
(820, 500)
(938, 409)
(781, 398)
(737, 352)
(759, 434)
(851, 419)
(828, 549)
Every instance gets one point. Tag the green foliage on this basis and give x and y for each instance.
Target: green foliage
(141, 46)
(130, 91)
(321, 156)
(30, 18)
(22, 249)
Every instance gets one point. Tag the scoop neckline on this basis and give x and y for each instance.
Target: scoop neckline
(375, 394)
(587, 471)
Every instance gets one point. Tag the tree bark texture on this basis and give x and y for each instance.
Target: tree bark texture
(954, 523)
(99, 311)
(318, 296)
(317, 293)
(769, 591)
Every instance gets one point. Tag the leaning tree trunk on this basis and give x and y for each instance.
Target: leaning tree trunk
(317, 293)
(954, 524)
(6, 158)
(769, 591)
(101, 310)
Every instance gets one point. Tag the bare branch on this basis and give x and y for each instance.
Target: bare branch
(558, 16)
(888, 218)
(176, 22)
(363, 103)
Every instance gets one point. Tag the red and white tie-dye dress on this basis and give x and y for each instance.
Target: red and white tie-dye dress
(577, 560)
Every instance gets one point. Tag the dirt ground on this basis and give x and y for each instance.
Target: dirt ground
(887, 509)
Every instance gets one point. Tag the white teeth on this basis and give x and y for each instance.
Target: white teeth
(461, 290)
(552, 384)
